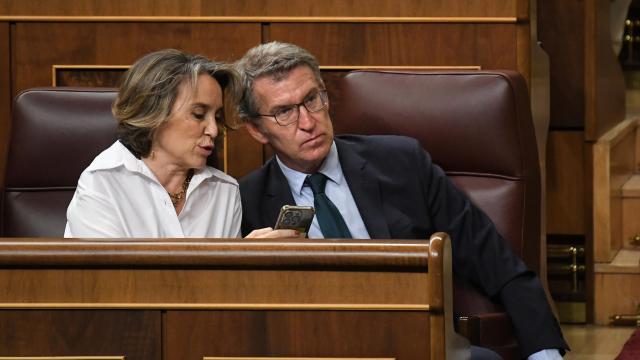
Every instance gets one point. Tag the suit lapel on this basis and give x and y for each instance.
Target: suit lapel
(277, 193)
(365, 188)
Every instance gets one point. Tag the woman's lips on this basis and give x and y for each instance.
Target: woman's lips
(206, 149)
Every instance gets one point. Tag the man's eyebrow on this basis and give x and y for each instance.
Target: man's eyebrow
(274, 108)
(279, 107)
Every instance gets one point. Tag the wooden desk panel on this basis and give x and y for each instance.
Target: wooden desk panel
(154, 287)
(135, 334)
(192, 335)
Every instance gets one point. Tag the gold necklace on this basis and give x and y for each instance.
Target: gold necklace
(175, 198)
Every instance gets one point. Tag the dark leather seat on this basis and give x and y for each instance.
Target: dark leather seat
(56, 133)
(477, 126)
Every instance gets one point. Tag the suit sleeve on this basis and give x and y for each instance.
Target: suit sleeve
(483, 257)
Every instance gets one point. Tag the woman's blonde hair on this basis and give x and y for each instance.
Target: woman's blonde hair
(150, 87)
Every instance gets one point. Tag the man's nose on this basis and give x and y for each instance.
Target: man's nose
(305, 120)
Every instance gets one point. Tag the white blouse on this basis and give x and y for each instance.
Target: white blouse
(119, 197)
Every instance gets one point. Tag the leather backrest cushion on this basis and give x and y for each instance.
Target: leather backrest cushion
(55, 135)
(36, 213)
(477, 113)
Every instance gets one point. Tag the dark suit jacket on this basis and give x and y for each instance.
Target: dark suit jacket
(401, 194)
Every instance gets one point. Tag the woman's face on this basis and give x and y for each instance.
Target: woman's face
(185, 140)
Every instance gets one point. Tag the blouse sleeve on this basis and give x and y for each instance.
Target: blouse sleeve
(92, 215)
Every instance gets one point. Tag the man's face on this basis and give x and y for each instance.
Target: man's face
(304, 144)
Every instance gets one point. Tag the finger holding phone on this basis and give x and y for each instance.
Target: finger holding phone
(271, 233)
(295, 217)
(293, 221)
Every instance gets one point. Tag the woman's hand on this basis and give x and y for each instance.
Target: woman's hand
(270, 233)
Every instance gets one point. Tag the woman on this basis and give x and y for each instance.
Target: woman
(153, 181)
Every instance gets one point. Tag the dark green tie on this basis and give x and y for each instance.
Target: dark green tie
(331, 222)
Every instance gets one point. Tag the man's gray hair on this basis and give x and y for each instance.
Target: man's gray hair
(273, 59)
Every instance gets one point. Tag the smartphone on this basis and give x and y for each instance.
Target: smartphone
(296, 218)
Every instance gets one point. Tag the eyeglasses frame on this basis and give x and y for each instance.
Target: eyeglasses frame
(325, 101)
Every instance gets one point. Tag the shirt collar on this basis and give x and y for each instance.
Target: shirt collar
(330, 168)
(121, 156)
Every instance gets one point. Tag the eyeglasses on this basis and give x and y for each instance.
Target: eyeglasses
(290, 114)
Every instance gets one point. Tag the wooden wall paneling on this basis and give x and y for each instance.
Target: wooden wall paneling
(100, 8)
(496, 47)
(367, 8)
(534, 61)
(602, 204)
(398, 335)
(615, 210)
(561, 30)
(622, 168)
(613, 165)
(589, 180)
(244, 153)
(524, 41)
(39, 46)
(637, 147)
(630, 223)
(587, 87)
(523, 8)
(487, 45)
(616, 292)
(565, 183)
(405, 8)
(5, 94)
(637, 152)
(133, 334)
(88, 76)
(604, 81)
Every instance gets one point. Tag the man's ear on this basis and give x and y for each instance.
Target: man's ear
(256, 133)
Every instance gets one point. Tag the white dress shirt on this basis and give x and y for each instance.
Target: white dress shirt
(337, 190)
(547, 354)
(119, 197)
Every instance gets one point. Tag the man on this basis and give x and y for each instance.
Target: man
(373, 187)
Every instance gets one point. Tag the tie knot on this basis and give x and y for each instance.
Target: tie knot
(317, 183)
